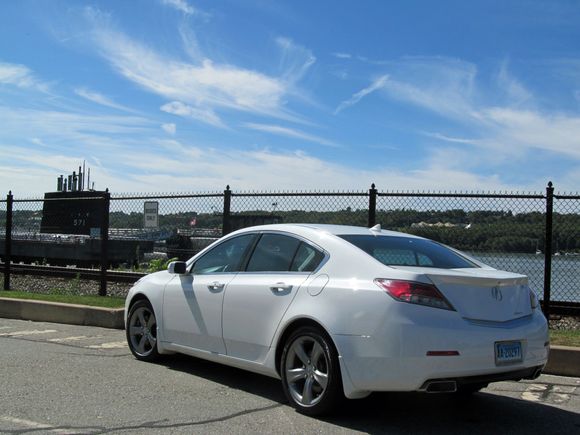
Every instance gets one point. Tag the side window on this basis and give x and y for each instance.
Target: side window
(225, 257)
(307, 259)
(273, 253)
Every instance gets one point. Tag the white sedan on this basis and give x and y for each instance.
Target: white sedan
(339, 311)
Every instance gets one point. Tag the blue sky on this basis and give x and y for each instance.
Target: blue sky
(176, 95)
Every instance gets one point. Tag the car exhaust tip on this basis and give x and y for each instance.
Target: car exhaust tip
(535, 374)
(440, 387)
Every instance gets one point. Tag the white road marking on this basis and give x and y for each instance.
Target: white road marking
(557, 394)
(23, 333)
(75, 338)
(560, 398)
(531, 396)
(534, 392)
(34, 425)
(112, 345)
(568, 389)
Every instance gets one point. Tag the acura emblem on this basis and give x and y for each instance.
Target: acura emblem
(496, 294)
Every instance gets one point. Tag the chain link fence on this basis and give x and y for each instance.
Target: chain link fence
(565, 262)
(173, 225)
(505, 231)
(141, 232)
(33, 240)
(344, 208)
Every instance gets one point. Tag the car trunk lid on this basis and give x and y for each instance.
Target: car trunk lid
(483, 294)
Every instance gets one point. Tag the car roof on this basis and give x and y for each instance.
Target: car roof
(337, 230)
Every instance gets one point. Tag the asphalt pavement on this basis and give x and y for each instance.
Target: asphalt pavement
(68, 379)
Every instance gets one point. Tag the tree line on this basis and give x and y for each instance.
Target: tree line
(479, 230)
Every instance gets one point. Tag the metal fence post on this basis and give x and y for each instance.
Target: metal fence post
(104, 243)
(548, 248)
(226, 226)
(8, 241)
(372, 206)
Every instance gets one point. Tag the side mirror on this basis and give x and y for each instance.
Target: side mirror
(177, 267)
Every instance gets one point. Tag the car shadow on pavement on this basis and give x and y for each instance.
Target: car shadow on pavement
(232, 377)
(379, 413)
(481, 413)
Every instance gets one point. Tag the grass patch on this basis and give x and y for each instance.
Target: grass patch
(565, 337)
(94, 301)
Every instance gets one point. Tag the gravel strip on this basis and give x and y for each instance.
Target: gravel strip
(569, 323)
(65, 286)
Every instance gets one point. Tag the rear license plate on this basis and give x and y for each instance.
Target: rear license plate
(508, 352)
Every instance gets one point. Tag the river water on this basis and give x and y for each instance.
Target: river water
(565, 272)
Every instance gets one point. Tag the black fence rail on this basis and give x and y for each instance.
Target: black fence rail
(537, 234)
(72, 272)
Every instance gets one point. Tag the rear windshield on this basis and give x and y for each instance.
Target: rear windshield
(408, 251)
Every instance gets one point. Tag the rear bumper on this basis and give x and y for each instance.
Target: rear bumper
(395, 357)
(517, 375)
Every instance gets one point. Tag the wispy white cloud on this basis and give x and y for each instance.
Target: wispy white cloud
(56, 162)
(169, 128)
(153, 171)
(369, 61)
(20, 76)
(296, 60)
(202, 84)
(61, 129)
(516, 92)
(207, 116)
(290, 132)
(180, 5)
(201, 168)
(98, 98)
(340, 73)
(340, 55)
(375, 85)
(384, 146)
(451, 139)
(502, 119)
(531, 129)
(442, 85)
(189, 41)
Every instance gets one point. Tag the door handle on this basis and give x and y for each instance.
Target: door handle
(280, 287)
(215, 286)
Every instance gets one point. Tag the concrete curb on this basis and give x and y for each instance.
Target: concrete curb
(42, 311)
(563, 360)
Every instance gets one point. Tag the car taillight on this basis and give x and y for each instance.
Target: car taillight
(414, 293)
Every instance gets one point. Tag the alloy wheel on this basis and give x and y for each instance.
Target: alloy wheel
(143, 331)
(307, 371)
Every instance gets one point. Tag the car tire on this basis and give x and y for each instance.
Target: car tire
(310, 372)
(142, 331)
